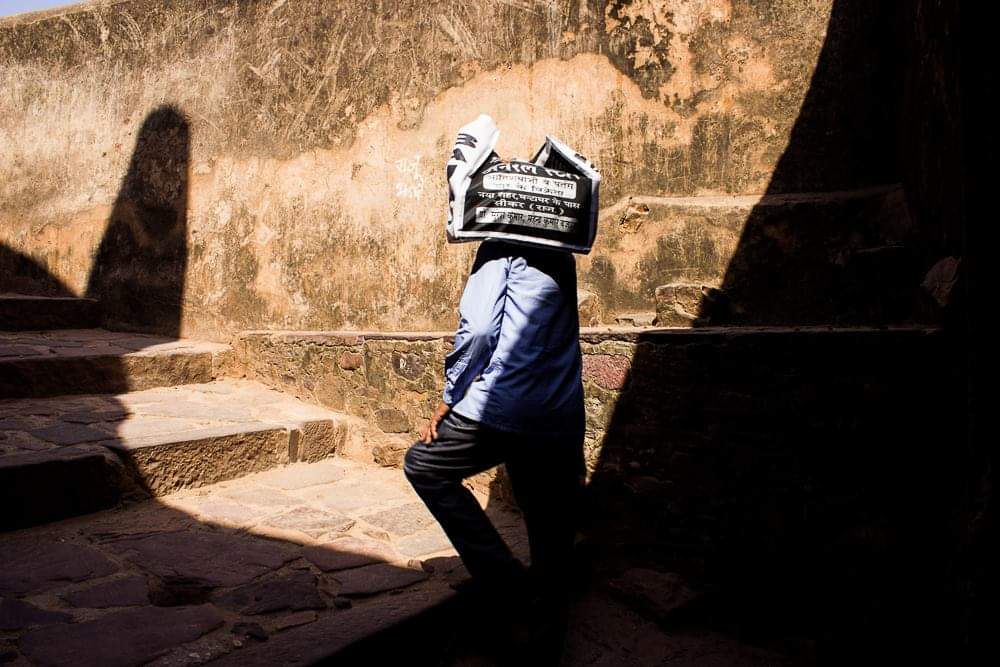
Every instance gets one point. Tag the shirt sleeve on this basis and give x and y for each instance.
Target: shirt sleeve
(480, 315)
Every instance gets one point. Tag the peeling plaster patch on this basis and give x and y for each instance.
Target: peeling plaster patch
(758, 74)
(223, 214)
(413, 186)
(426, 270)
(263, 234)
(650, 40)
(687, 16)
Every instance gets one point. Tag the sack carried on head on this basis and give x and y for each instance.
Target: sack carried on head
(549, 201)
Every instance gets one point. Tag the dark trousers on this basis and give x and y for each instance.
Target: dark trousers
(546, 475)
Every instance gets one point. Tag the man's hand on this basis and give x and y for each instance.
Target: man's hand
(430, 432)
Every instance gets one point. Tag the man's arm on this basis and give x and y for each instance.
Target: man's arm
(480, 315)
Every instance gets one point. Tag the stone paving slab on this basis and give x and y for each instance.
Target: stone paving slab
(291, 479)
(120, 639)
(322, 641)
(310, 521)
(216, 559)
(404, 520)
(167, 438)
(132, 591)
(348, 496)
(295, 592)
(157, 581)
(431, 540)
(33, 565)
(377, 578)
(20, 615)
(92, 361)
(261, 496)
(347, 552)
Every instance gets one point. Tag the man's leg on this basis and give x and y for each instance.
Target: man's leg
(546, 477)
(436, 470)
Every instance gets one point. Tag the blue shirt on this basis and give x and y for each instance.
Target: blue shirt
(516, 364)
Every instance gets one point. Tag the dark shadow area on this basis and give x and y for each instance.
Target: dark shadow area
(799, 479)
(809, 482)
(24, 284)
(139, 268)
(154, 581)
(849, 254)
(20, 274)
(165, 573)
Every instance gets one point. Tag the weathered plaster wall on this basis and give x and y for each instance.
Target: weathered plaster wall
(310, 193)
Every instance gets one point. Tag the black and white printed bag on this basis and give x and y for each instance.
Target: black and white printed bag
(550, 201)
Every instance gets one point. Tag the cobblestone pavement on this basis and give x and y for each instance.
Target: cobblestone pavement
(189, 577)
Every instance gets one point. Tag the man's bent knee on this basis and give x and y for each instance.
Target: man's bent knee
(411, 462)
(424, 479)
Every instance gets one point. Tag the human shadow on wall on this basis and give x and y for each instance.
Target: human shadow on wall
(139, 268)
(788, 473)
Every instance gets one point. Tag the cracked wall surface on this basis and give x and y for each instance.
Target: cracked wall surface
(319, 131)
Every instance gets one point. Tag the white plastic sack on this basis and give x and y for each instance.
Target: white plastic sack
(551, 201)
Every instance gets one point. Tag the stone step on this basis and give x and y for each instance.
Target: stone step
(23, 312)
(95, 361)
(69, 455)
(295, 565)
(842, 257)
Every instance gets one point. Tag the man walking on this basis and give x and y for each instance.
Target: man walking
(513, 395)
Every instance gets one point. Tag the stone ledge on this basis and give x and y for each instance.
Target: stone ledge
(106, 447)
(38, 487)
(339, 337)
(591, 334)
(745, 202)
(397, 398)
(80, 361)
(664, 334)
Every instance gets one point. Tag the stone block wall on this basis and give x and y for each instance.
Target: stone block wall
(392, 380)
(808, 473)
